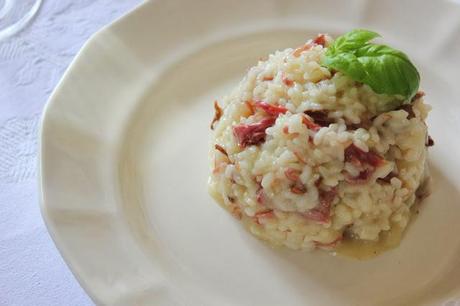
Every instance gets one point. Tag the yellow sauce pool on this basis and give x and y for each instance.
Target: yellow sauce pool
(361, 249)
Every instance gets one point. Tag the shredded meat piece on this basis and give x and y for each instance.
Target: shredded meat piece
(320, 117)
(292, 174)
(358, 157)
(217, 114)
(221, 149)
(408, 108)
(361, 178)
(298, 188)
(418, 95)
(270, 109)
(267, 78)
(260, 196)
(250, 106)
(252, 134)
(287, 82)
(319, 40)
(318, 182)
(286, 131)
(266, 213)
(387, 179)
(310, 125)
(297, 52)
(263, 214)
(429, 141)
(327, 196)
(321, 213)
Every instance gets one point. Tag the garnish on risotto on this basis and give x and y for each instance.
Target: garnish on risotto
(323, 144)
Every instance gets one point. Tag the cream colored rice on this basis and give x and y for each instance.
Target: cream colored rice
(361, 210)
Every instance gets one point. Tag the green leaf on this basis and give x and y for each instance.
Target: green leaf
(389, 71)
(352, 40)
(384, 69)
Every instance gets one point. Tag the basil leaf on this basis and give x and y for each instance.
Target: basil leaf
(389, 71)
(384, 69)
(352, 40)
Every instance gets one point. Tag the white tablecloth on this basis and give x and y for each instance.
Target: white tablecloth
(31, 63)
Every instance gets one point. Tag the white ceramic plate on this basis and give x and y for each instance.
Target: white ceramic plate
(124, 159)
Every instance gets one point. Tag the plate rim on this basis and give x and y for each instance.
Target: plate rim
(51, 101)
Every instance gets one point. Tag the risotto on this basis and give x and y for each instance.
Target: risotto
(307, 157)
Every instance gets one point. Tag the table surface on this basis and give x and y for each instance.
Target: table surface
(32, 271)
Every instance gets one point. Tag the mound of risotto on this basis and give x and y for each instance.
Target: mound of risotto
(309, 154)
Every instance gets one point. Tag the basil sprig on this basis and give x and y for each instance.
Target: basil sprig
(384, 69)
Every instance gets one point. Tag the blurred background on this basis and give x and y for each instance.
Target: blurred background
(38, 40)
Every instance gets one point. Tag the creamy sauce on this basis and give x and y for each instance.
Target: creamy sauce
(388, 240)
(361, 249)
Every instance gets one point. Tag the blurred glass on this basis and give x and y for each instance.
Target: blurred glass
(15, 15)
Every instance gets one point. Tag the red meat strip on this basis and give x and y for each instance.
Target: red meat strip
(252, 134)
